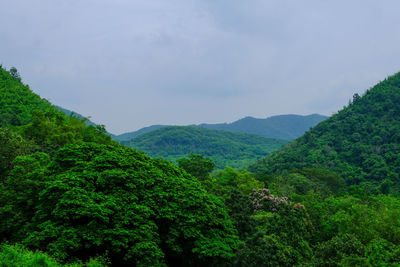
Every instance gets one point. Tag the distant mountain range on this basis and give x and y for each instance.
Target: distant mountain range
(237, 150)
(236, 144)
(286, 127)
(283, 126)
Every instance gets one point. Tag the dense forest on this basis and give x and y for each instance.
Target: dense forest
(71, 196)
(225, 148)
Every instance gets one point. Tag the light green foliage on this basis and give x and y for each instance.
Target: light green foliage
(223, 147)
(18, 256)
(242, 179)
(54, 130)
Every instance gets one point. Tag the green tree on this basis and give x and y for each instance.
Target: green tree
(11, 145)
(110, 199)
(19, 194)
(197, 165)
(14, 73)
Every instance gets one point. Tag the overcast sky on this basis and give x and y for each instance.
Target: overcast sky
(129, 63)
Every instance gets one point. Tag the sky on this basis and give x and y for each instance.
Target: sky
(128, 64)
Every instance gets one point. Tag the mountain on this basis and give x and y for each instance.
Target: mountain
(61, 177)
(17, 101)
(286, 127)
(88, 122)
(131, 135)
(361, 142)
(283, 126)
(35, 122)
(223, 147)
(77, 115)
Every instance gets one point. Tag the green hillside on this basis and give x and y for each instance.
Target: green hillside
(68, 190)
(77, 115)
(223, 147)
(70, 196)
(17, 102)
(88, 122)
(361, 142)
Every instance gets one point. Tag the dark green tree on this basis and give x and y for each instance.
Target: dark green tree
(15, 74)
(197, 165)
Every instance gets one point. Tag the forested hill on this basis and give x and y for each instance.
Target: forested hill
(17, 102)
(362, 141)
(224, 147)
(88, 122)
(286, 127)
(77, 115)
(70, 191)
(70, 195)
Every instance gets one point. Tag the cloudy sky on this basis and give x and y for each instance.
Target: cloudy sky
(133, 63)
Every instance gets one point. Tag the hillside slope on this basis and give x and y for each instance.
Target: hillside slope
(88, 122)
(225, 148)
(361, 142)
(17, 101)
(60, 177)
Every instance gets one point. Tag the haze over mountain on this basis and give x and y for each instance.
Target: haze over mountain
(282, 126)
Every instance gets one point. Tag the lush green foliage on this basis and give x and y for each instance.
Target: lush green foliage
(17, 102)
(11, 145)
(68, 190)
(197, 165)
(223, 147)
(18, 256)
(54, 130)
(361, 142)
(114, 201)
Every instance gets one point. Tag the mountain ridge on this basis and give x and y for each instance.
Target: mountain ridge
(286, 126)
